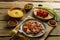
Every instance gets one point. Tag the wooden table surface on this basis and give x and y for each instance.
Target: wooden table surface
(5, 32)
(31, 0)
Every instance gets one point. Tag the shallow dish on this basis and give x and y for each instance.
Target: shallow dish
(52, 23)
(29, 35)
(42, 13)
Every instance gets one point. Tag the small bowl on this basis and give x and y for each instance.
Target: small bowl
(52, 21)
(12, 23)
(15, 8)
(28, 7)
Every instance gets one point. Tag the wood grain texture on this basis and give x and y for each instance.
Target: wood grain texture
(41, 0)
(4, 29)
(18, 4)
(49, 38)
(53, 38)
(31, 0)
(5, 38)
(56, 31)
(3, 14)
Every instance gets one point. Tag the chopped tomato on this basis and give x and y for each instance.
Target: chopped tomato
(45, 14)
(39, 12)
(42, 13)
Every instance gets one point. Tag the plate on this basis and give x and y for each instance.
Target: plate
(29, 35)
(44, 9)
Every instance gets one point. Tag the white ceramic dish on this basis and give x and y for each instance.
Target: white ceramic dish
(38, 35)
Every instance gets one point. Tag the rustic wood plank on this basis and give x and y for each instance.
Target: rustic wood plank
(56, 31)
(3, 14)
(3, 11)
(49, 38)
(5, 38)
(18, 4)
(40, 0)
(31, 0)
(4, 29)
(53, 38)
(3, 24)
(5, 32)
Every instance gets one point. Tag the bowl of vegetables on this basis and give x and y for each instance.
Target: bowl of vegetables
(42, 13)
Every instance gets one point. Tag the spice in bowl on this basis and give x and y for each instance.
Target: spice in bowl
(12, 23)
(52, 23)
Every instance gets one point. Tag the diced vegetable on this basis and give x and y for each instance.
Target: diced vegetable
(42, 13)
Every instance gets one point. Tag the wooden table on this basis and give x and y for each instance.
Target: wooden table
(5, 32)
(30, 0)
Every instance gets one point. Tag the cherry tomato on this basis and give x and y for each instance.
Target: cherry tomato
(40, 12)
(45, 14)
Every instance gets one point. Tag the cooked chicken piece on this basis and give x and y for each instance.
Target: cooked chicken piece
(28, 31)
